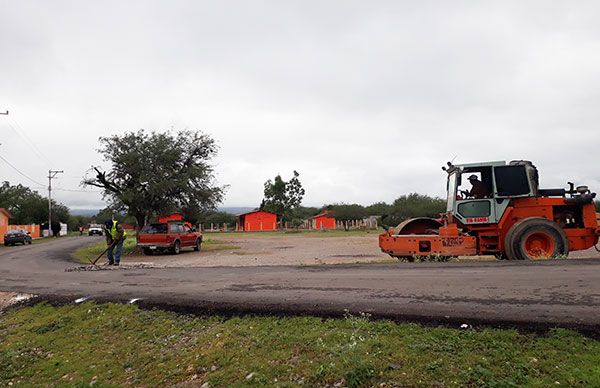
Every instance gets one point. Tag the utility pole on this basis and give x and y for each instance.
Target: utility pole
(51, 175)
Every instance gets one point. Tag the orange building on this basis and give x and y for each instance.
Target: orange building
(5, 216)
(323, 221)
(257, 220)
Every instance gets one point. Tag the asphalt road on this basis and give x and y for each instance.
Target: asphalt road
(539, 294)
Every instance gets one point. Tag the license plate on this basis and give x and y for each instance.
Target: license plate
(152, 247)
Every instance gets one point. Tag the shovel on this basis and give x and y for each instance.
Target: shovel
(102, 254)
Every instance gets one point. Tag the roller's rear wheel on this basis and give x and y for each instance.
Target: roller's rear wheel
(534, 239)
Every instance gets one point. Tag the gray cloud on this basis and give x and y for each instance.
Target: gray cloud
(366, 100)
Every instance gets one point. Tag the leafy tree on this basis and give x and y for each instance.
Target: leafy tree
(29, 207)
(152, 173)
(75, 222)
(218, 218)
(414, 205)
(107, 213)
(305, 213)
(283, 198)
(344, 212)
(598, 206)
(378, 209)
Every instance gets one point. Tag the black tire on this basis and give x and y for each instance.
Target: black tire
(198, 245)
(176, 248)
(29, 242)
(534, 238)
(147, 251)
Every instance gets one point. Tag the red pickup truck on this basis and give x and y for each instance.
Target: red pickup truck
(168, 236)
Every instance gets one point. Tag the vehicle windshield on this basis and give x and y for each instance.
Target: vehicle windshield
(452, 183)
(15, 231)
(155, 228)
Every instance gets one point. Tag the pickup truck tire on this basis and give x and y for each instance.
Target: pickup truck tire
(148, 251)
(176, 247)
(197, 245)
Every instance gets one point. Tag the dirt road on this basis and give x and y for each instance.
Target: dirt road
(562, 293)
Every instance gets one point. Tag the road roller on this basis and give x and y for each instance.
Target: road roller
(497, 208)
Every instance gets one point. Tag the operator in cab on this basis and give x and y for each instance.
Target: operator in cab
(479, 190)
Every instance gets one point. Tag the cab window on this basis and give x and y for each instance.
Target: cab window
(475, 209)
(511, 181)
(479, 188)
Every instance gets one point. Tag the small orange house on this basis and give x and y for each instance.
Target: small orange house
(323, 221)
(5, 216)
(257, 220)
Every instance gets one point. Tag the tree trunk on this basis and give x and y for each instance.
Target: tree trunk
(141, 220)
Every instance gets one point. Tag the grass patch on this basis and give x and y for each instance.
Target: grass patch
(91, 252)
(117, 345)
(83, 255)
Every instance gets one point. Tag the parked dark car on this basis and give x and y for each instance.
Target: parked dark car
(20, 236)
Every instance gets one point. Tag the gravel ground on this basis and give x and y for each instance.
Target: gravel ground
(8, 299)
(266, 250)
(257, 250)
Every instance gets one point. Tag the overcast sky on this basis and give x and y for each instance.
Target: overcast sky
(366, 99)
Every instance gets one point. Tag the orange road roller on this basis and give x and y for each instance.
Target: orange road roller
(497, 208)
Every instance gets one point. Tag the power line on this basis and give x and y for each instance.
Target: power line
(20, 172)
(21, 132)
(41, 186)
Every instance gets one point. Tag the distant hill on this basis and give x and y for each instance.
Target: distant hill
(84, 212)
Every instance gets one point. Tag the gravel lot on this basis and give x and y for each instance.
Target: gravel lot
(257, 249)
(274, 249)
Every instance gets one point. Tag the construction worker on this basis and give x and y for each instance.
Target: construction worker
(115, 235)
(479, 190)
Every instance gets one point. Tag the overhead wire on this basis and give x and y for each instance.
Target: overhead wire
(21, 172)
(18, 129)
(21, 132)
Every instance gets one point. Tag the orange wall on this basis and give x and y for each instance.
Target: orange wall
(260, 221)
(324, 222)
(33, 229)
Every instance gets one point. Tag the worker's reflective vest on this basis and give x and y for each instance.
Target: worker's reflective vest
(113, 231)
